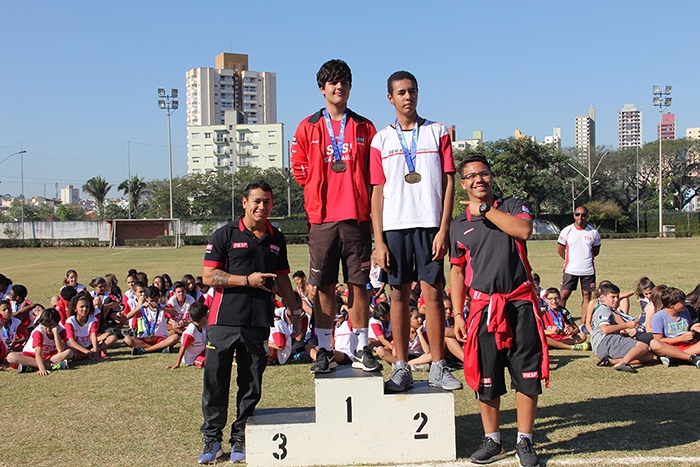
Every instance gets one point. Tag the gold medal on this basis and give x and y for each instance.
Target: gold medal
(341, 167)
(412, 177)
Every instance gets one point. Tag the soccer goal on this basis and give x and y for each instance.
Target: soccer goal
(144, 232)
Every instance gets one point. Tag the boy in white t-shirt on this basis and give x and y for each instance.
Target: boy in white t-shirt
(181, 302)
(279, 344)
(412, 178)
(194, 339)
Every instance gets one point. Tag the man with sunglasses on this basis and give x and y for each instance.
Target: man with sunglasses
(578, 244)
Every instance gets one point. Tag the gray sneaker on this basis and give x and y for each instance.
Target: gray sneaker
(401, 378)
(440, 377)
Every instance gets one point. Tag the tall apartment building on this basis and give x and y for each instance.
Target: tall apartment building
(667, 128)
(629, 127)
(230, 86)
(212, 148)
(692, 133)
(70, 195)
(555, 138)
(584, 135)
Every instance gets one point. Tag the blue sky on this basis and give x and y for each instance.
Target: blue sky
(79, 78)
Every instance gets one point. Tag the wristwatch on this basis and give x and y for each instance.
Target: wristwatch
(484, 208)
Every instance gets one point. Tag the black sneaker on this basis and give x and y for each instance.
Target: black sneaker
(488, 452)
(325, 361)
(364, 360)
(695, 360)
(526, 454)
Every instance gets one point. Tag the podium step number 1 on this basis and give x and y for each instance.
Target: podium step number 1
(354, 422)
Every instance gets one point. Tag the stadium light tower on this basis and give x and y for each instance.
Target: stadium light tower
(662, 101)
(169, 105)
(21, 153)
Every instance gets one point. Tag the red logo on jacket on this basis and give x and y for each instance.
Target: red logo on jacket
(236, 245)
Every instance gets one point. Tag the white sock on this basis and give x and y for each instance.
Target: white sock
(495, 436)
(324, 338)
(527, 435)
(362, 338)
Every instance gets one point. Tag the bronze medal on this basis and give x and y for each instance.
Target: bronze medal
(412, 177)
(339, 167)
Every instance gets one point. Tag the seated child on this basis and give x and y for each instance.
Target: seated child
(279, 343)
(561, 330)
(608, 343)
(380, 335)
(453, 346)
(45, 350)
(181, 303)
(62, 304)
(194, 339)
(21, 307)
(82, 331)
(419, 356)
(153, 325)
(673, 325)
(14, 333)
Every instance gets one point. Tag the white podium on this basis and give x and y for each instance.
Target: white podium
(354, 422)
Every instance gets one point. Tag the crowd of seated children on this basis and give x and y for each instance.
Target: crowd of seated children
(152, 335)
(611, 340)
(82, 330)
(674, 326)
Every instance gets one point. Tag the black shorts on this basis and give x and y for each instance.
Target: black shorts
(569, 282)
(411, 257)
(331, 242)
(523, 359)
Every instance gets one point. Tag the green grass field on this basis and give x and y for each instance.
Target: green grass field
(131, 411)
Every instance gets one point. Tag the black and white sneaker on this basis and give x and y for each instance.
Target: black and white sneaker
(695, 360)
(489, 451)
(325, 361)
(364, 360)
(526, 454)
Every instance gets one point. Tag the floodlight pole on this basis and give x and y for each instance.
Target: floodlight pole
(21, 153)
(169, 105)
(662, 101)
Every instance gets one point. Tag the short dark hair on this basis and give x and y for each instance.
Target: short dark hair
(299, 273)
(381, 309)
(152, 292)
(254, 185)
(333, 71)
(49, 315)
(20, 290)
(67, 292)
(198, 310)
(552, 290)
(671, 296)
(608, 288)
(473, 157)
(179, 285)
(398, 76)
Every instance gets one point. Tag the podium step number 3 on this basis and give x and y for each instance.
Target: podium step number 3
(354, 422)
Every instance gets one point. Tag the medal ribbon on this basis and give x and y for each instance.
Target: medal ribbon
(336, 143)
(624, 316)
(149, 327)
(410, 156)
(557, 317)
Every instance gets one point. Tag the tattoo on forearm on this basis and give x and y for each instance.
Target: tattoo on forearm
(220, 279)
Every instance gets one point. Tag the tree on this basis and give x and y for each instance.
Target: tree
(97, 187)
(70, 212)
(136, 189)
(601, 211)
(535, 173)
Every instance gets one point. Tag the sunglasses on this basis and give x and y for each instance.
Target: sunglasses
(580, 214)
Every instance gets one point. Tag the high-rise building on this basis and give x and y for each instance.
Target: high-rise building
(584, 135)
(212, 148)
(230, 86)
(70, 195)
(629, 127)
(555, 139)
(667, 128)
(692, 133)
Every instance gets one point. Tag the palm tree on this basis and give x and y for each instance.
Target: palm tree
(97, 187)
(137, 188)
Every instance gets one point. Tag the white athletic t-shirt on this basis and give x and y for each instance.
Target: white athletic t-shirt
(411, 205)
(194, 342)
(579, 245)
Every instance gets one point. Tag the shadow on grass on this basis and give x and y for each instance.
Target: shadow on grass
(622, 423)
(557, 361)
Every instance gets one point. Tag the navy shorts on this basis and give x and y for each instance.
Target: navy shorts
(411, 257)
(523, 359)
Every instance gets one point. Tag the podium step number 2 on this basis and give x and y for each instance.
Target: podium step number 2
(354, 422)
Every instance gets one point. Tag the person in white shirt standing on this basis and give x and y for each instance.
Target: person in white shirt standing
(578, 244)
